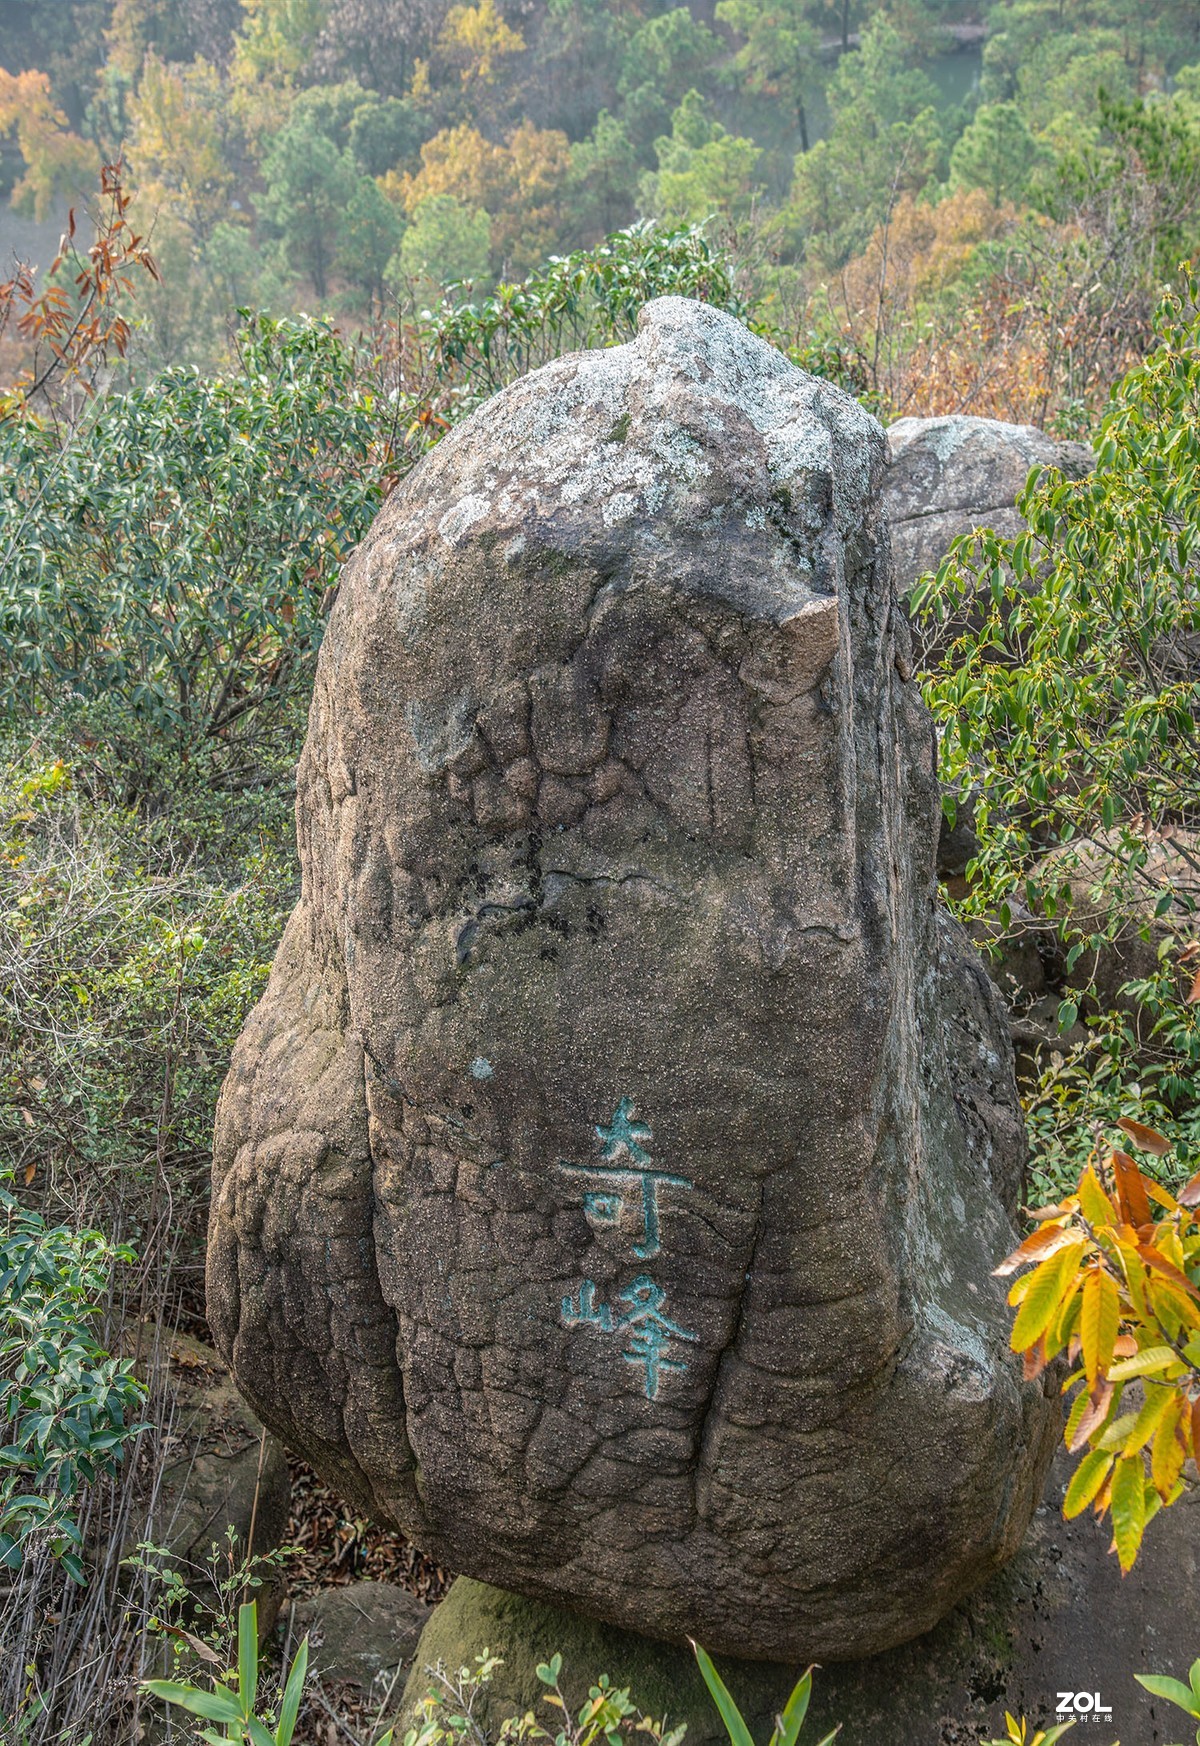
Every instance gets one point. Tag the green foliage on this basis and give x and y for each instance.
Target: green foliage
(1067, 701)
(386, 132)
(172, 557)
(235, 1704)
(591, 298)
(885, 139)
(127, 966)
(604, 175)
(1184, 1697)
(66, 1404)
(369, 233)
(702, 167)
(777, 55)
(787, 1726)
(996, 152)
(1138, 176)
(446, 244)
(448, 1712)
(309, 184)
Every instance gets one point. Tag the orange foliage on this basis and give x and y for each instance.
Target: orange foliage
(55, 158)
(1018, 344)
(71, 336)
(517, 184)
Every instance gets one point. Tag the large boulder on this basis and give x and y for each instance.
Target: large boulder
(948, 476)
(608, 1182)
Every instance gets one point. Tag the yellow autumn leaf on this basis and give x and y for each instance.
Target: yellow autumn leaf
(1099, 1322)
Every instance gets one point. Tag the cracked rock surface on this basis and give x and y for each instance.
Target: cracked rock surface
(608, 1182)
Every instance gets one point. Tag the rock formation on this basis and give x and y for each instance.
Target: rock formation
(608, 1182)
(951, 475)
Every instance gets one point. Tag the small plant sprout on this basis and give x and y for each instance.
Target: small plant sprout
(1185, 1697)
(787, 1726)
(1017, 1733)
(236, 1707)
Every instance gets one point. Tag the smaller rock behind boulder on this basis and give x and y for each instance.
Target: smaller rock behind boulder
(950, 475)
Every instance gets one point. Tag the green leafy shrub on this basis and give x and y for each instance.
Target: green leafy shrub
(174, 554)
(127, 966)
(591, 298)
(1067, 702)
(67, 1405)
(235, 1703)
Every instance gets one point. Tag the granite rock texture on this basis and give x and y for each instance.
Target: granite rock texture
(362, 1632)
(950, 475)
(608, 1182)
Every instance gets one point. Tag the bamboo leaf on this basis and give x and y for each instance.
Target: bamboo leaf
(735, 1726)
(791, 1721)
(214, 1706)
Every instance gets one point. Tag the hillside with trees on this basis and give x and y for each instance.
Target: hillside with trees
(965, 204)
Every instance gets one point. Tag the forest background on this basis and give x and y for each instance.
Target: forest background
(950, 205)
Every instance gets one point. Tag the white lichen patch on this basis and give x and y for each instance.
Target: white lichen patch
(945, 436)
(695, 407)
(459, 520)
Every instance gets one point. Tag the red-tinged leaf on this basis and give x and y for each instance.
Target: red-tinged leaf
(1159, 1264)
(1193, 993)
(1189, 1194)
(1039, 1215)
(1131, 1190)
(1128, 1509)
(1125, 1347)
(1036, 1247)
(1099, 1322)
(1146, 1139)
(1034, 1361)
(1099, 1402)
(1086, 1481)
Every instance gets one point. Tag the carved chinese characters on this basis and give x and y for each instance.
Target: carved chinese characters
(608, 1184)
(643, 1331)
